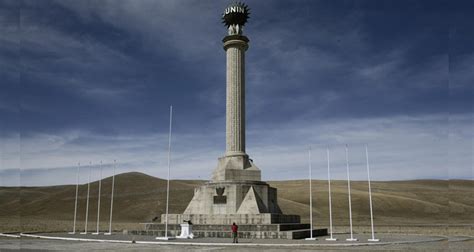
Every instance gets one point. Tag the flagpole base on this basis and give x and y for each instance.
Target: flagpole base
(72, 233)
(96, 233)
(311, 239)
(352, 239)
(165, 238)
(331, 239)
(373, 240)
(108, 233)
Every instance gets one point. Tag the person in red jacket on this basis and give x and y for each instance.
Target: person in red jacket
(235, 235)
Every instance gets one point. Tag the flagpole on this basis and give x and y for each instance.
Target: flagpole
(331, 238)
(75, 204)
(88, 191)
(370, 197)
(112, 201)
(98, 202)
(349, 194)
(168, 180)
(310, 198)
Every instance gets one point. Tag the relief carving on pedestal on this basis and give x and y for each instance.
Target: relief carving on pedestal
(220, 198)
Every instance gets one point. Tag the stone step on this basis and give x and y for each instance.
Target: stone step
(240, 219)
(288, 227)
(305, 233)
(244, 227)
(250, 233)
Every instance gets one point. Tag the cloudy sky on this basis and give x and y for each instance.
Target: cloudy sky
(91, 81)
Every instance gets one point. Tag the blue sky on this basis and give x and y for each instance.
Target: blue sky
(90, 81)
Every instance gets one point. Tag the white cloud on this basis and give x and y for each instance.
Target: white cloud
(400, 148)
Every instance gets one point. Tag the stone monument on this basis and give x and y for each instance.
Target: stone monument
(236, 192)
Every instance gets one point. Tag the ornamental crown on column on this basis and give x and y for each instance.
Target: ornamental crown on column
(234, 17)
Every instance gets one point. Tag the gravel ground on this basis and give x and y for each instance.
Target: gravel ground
(34, 244)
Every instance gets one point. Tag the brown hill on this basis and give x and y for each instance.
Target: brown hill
(139, 198)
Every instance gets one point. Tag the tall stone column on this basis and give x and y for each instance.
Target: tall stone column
(236, 164)
(236, 192)
(235, 47)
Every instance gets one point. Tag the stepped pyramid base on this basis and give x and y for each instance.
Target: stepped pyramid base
(244, 202)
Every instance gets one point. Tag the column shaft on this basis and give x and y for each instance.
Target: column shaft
(235, 103)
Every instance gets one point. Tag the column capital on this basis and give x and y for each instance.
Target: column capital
(236, 41)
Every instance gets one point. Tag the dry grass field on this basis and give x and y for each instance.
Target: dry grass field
(406, 205)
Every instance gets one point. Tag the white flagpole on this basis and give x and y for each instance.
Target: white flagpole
(98, 201)
(349, 194)
(112, 201)
(370, 197)
(168, 180)
(331, 238)
(87, 204)
(310, 198)
(75, 204)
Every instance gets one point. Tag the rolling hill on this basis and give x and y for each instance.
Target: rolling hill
(140, 198)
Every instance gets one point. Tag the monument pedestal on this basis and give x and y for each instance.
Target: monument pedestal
(225, 202)
(251, 204)
(236, 194)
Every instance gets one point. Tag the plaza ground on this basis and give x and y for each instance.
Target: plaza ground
(390, 243)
